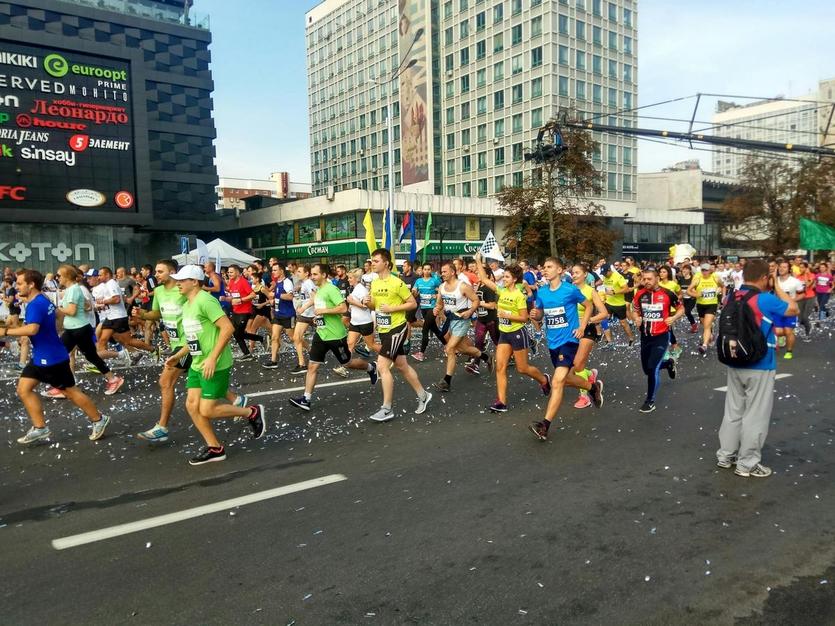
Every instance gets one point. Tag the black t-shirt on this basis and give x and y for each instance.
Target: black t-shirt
(684, 283)
(409, 280)
(343, 285)
(486, 295)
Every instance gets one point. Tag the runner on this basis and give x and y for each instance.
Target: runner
(665, 280)
(684, 277)
(823, 289)
(512, 314)
(50, 362)
(486, 321)
(207, 332)
(652, 312)
(261, 317)
(240, 296)
(615, 287)
(580, 278)
(807, 277)
(391, 298)
(284, 314)
(706, 287)
(556, 304)
(425, 290)
(784, 325)
(361, 322)
(330, 336)
(531, 285)
(303, 301)
(457, 303)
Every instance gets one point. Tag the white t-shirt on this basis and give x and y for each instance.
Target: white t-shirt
(303, 295)
(736, 276)
(105, 291)
(791, 285)
(91, 313)
(360, 315)
(367, 279)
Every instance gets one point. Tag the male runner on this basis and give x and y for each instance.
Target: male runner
(240, 296)
(651, 311)
(330, 335)
(50, 362)
(391, 298)
(284, 312)
(207, 332)
(114, 316)
(784, 325)
(556, 304)
(425, 290)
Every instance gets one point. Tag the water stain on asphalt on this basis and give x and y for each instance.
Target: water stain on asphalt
(808, 600)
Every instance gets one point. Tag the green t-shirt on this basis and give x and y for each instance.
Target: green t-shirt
(169, 303)
(329, 327)
(74, 295)
(199, 317)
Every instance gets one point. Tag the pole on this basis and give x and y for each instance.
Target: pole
(390, 131)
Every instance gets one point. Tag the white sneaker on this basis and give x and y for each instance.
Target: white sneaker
(34, 434)
(758, 471)
(341, 371)
(383, 415)
(99, 427)
(422, 404)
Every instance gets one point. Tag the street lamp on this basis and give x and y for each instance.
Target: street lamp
(442, 231)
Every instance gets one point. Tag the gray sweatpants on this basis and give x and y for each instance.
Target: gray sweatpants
(748, 404)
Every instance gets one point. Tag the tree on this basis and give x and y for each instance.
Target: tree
(553, 211)
(773, 195)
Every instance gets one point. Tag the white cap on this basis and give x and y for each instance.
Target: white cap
(186, 272)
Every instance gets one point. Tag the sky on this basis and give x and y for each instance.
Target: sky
(758, 48)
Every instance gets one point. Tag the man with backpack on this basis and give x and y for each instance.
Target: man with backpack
(746, 344)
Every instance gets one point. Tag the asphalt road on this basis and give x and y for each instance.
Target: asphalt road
(452, 517)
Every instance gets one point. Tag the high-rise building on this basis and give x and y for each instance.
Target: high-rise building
(477, 79)
(805, 120)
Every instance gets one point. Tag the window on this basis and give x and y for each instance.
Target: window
(580, 4)
(580, 30)
(597, 35)
(563, 85)
(481, 105)
(563, 24)
(465, 111)
(612, 153)
(613, 69)
(450, 190)
(463, 4)
(465, 56)
(580, 60)
(449, 62)
(450, 115)
(516, 123)
(518, 179)
(536, 56)
(627, 100)
(597, 94)
(627, 157)
(498, 156)
(613, 40)
(448, 36)
(450, 89)
(517, 152)
(480, 49)
(627, 73)
(516, 65)
(498, 42)
(465, 137)
(516, 94)
(464, 29)
(481, 132)
(481, 77)
(627, 183)
(450, 141)
(612, 181)
(498, 13)
(516, 35)
(498, 100)
(466, 163)
(613, 97)
(498, 71)
(498, 183)
(447, 10)
(480, 21)
(482, 160)
(465, 83)
(627, 45)
(613, 12)
(595, 7)
(450, 167)
(498, 128)
(536, 87)
(482, 187)
(627, 18)
(515, 6)
(466, 189)
(580, 89)
(597, 64)
(562, 55)
(536, 118)
(536, 26)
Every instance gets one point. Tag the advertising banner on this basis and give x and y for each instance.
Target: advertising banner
(415, 107)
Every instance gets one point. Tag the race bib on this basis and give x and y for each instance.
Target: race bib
(503, 321)
(449, 301)
(235, 294)
(192, 329)
(708, 294)
(383, 320)
(171, 329)
(555, 317)
(652, 312)
(319, 322)
(426, 300)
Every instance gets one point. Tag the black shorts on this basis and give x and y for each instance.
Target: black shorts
(362, 329)
(14, 310)
(619, 312)
(591, 333)
(118, 326)
(59, 375)
(706, 309)
(392, 342)
(284, 322)
(184, 363)
(518, 339)
(563, 356)
(262, 313)
(320, 348)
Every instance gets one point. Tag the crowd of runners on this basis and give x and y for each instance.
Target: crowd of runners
(188, 318)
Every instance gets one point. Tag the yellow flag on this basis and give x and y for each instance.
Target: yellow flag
(370, 240)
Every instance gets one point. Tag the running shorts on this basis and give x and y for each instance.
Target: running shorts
(320, 348)
(59, 375)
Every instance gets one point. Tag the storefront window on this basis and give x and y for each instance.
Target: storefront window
(340, 226)
(308, 230)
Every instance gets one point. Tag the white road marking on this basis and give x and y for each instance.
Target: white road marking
(778, 377)
(172, 518)
(274, 392)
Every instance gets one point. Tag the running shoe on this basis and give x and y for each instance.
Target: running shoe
(593, 375)
(270, 365)
(498, 407)
(258, 421)
(157, 434)
(299, 369)
(383, 415)
(726, 463)
(442, 385)
(472, 368)
(341, 371)
(539, 429)
(583, 401)
(35, 434)
(781, 341)
(208, 455)
(301, 402)
(53, 393)
(546, 386)
(20, 366)
(136, 357)
(422, 404)
(243, 358)
(672, 370)
(596, 393)
(364, 353)
(113, 385)
(694, 328)
(99, 428)
(758, 471)
(631, 343)
(373, 375)
(92, 369)
(647, 407)
(417, 356)
(241, 400)
(703, 350)
(788, 355)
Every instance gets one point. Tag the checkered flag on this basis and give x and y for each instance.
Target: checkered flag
(490, 248)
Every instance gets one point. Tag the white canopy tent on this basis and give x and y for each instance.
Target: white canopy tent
(217, 249)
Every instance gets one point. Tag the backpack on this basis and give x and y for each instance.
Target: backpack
(740, 341)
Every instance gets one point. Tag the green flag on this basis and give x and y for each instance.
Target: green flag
(816, 235)
(426, 237)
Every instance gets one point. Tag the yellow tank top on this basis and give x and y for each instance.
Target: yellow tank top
(707, 289)
(587, 291)
(512, 302)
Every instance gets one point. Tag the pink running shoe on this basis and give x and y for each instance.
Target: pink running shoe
(583, 401)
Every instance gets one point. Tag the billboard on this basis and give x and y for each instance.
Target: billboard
(66, 131)
(415, 105)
